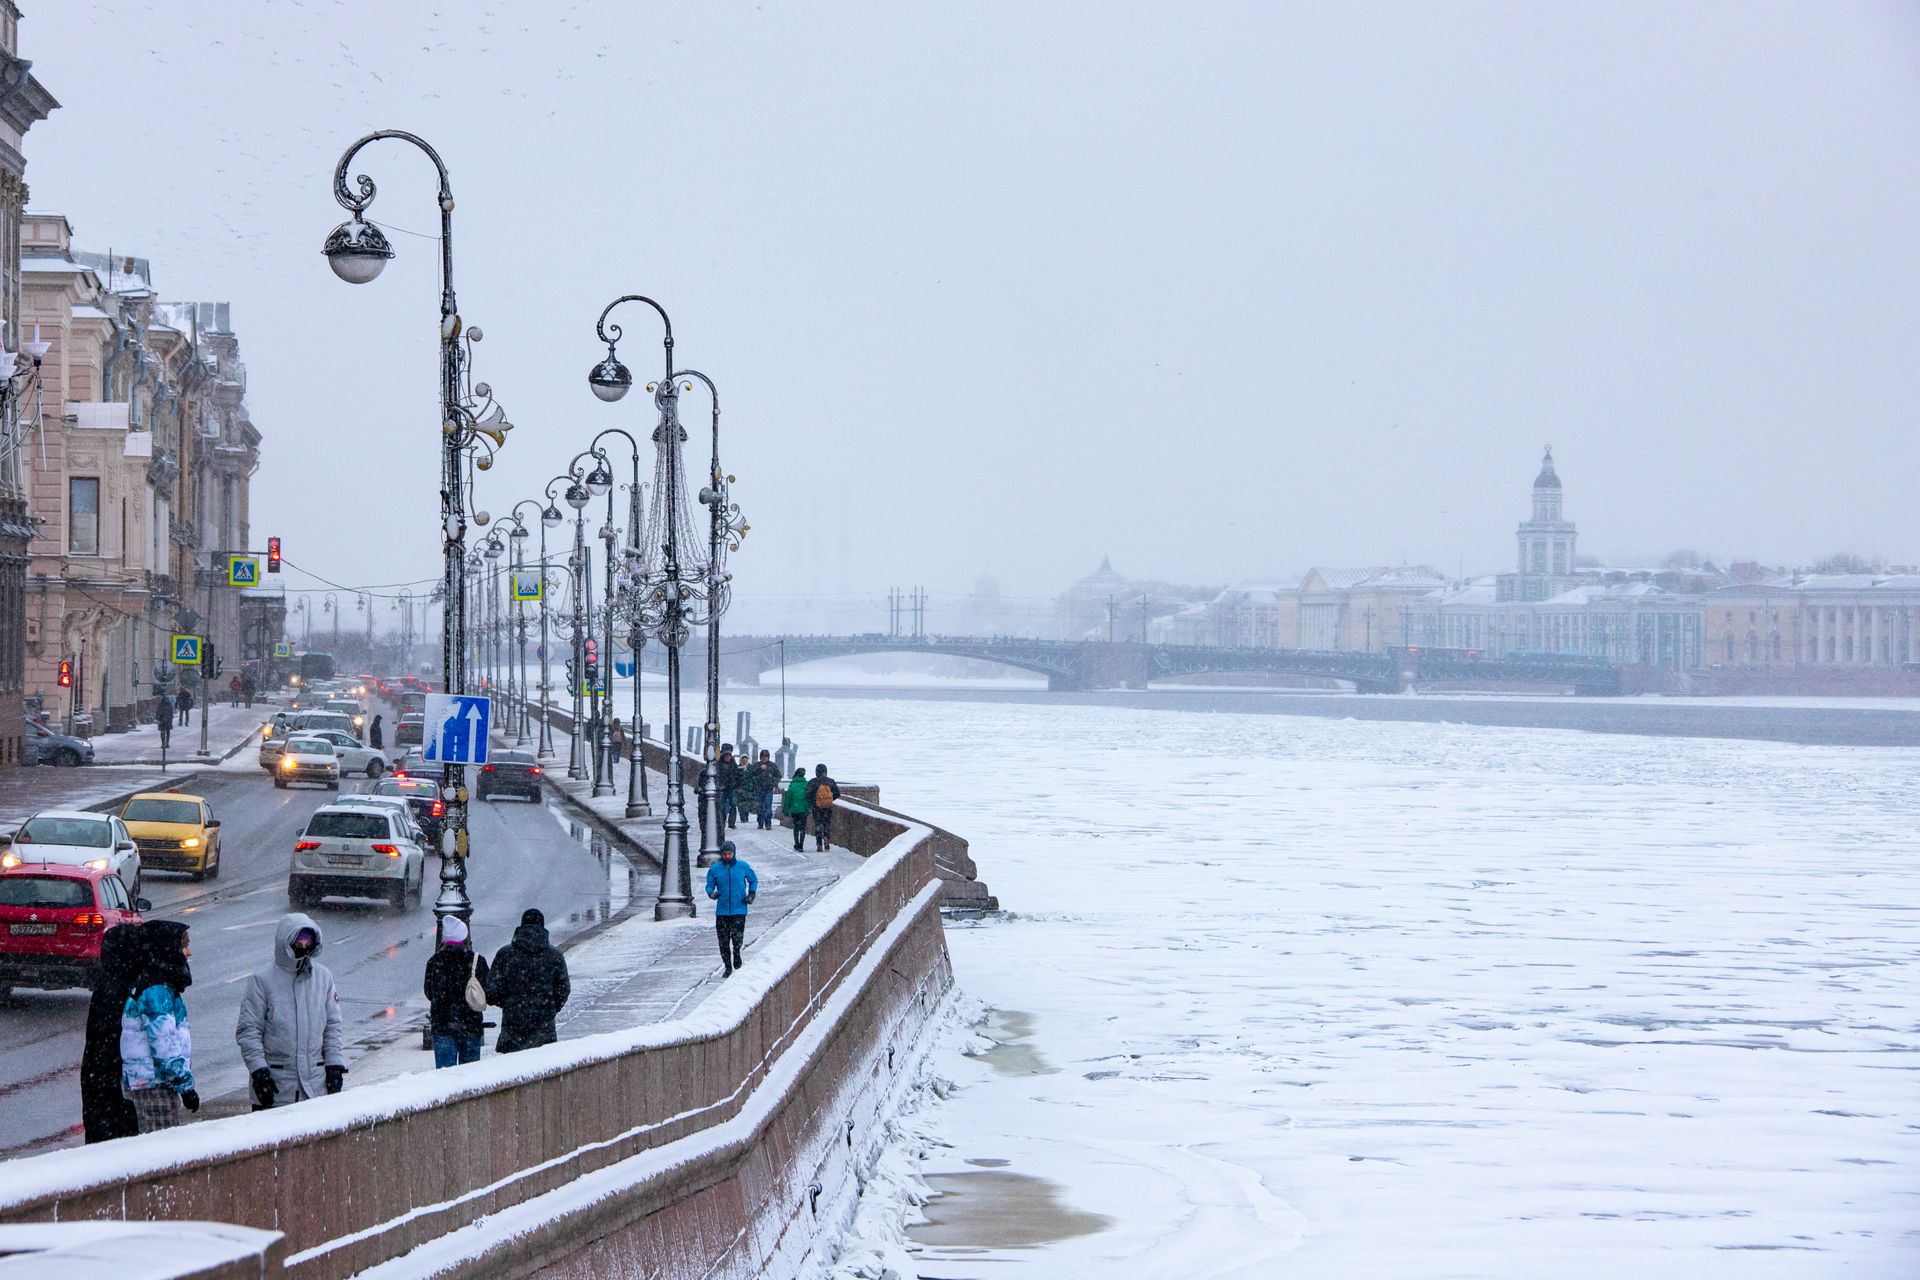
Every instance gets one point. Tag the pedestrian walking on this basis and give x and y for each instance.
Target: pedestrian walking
(289, 1030)
(156, 1049)
(794, 805)
(105, 1110)
(766, 781)
(729, 781)
(822, 792)
(617, 736)
(529, 982)
(248, 688)
(233, 687)
(732, 885)
(163, 719)
(183, 703)
(456, 975)
(376, 736)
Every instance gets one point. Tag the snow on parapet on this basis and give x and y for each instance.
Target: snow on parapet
(93, 1168)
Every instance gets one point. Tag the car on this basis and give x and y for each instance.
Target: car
(51, 921)
(429, 810)
(508, 773)
(354, 851)
(175, 832)
(351, 709)
(45, 746)
(284, 726)
(388, 804)
(415, 765)
(354, 758)
(76, 838)
(307, 759)
(410, 729)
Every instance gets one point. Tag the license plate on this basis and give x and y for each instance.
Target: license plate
(345, 859)
(32, 930)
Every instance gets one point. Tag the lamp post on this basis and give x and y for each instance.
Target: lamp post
(516, 585)
(657, 579)
(550, 518)
(357, 251)
(575, 495)
(599, 482)
(332, 606)
(637, 803)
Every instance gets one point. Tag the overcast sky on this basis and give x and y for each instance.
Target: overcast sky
(1225, 291)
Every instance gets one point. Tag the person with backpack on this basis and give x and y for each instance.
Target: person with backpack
(529, 982)
(729, 780)
(183, 703)
(105, 1110)
(766, 781)
(821, 794)
(456, 990)
(156, 1049)
(794, 806)
(289, 1030)
(732, 885)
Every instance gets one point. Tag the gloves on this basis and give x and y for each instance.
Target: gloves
(336, 1078)
(264, 1088)
(750, 898)
(190, 1099)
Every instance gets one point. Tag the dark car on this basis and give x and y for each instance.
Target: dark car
(410, 730)
(51, 919)
(509, 773)
(423, 795)
(45, 746)
(414, 765)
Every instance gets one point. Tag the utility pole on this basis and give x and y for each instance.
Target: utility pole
(919, 613)
(1143, 619)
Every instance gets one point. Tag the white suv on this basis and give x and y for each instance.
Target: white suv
(356, 851)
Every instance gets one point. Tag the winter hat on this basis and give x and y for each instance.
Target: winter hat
(532, 915)
(453, 931)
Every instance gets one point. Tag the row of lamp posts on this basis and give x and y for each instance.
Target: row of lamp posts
(664, 585)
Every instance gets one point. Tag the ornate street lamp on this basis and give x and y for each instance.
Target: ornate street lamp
(358, 251)
(638, 805)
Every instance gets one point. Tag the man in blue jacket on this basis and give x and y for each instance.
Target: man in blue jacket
(731, 884)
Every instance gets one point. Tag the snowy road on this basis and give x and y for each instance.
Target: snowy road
(1287, 996)
(523, 858)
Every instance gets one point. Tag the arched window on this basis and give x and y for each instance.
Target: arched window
(1776, 646)
(1729, 639)
(1753, 648)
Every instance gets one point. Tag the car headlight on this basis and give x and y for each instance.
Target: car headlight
(286, 762)
(191, 842)
(98, 864)
(9, 860)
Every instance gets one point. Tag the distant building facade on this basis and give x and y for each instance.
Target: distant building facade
(1839, 620)
(1326, 609)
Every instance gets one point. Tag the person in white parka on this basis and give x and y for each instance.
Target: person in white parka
(289, 1028)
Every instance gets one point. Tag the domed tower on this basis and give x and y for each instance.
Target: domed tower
(1546, 542)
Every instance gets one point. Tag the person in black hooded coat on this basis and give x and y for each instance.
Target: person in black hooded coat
(105, 1112)
(529, 982)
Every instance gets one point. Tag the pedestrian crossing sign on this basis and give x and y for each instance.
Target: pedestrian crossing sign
(242, 571)
(283, 650)
(186, 650)
(526, 586)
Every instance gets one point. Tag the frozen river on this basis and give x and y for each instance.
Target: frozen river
(1281, 995)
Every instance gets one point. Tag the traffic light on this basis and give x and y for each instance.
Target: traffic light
(66, 675)
(209, 660)
(273, 555)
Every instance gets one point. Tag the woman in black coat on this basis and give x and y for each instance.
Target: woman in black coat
(105, 1112)
(376, 738)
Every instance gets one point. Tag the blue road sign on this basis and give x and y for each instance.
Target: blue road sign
(456, 728)
(623, 663)
(186, 650)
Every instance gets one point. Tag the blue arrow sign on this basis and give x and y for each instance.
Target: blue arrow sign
(456, 728)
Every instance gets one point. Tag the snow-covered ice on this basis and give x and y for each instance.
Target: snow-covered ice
(1292, 996)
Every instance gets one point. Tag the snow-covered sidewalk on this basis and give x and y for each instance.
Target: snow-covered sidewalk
(229, 730)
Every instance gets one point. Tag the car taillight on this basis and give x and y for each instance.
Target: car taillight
(90, 920)
(399, 773)
(439, 808)
(391, 850)
(305, 845)
(536, 769)
(486, 768)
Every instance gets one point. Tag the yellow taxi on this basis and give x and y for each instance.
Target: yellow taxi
(175, 832)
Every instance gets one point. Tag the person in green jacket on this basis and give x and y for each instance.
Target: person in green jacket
(794, 805)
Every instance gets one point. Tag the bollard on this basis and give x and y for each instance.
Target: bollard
(785, 757)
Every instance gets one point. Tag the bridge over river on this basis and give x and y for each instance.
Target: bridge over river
(1098, 664)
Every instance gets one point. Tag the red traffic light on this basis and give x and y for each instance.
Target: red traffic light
(273, 555)
(66, 675)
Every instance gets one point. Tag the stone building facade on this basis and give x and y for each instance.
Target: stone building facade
(140, 478)
(24, 102)
(1857, 621)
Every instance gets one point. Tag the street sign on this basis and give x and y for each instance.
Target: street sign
(456, 728)
(540, 652)
(243, 571)
(283, 650)
(623, 663)
(186, 650)
(526, 586)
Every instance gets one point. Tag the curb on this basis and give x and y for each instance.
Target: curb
(191, 759)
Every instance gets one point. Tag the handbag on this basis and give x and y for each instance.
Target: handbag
(476, 994)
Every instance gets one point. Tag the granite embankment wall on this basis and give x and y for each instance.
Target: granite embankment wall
(721, 1144)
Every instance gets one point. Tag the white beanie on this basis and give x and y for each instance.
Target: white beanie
(453, 931)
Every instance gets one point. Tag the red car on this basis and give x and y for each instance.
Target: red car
(51, 919)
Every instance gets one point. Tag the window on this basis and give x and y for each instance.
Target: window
(146, 810)
(348, 826)
(45, 891)
(83, 516)
(84, 833)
